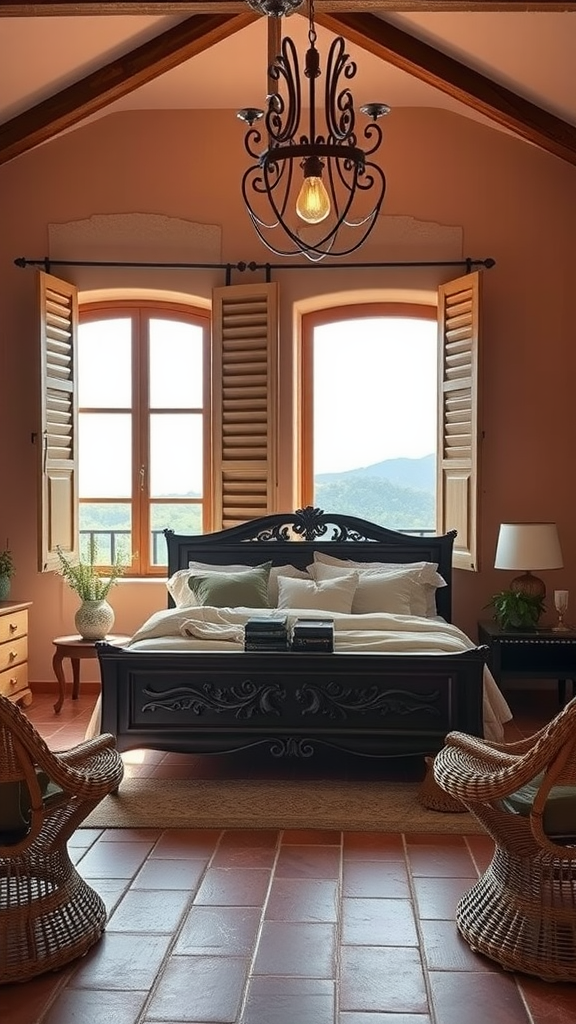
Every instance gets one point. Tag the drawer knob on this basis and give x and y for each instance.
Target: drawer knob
(13, 682)
(12, 627)
(13, 655)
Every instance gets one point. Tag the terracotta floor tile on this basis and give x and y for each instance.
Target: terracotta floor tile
(437, 861)
(308, 862)
(444, 949)
(25, 1003)
(436, 898)
(378, 846)
(141, 835)
(219, 931)
(549, 1003)
(303, 899)
(110, 889)
(199, 988)
(236, 887)
(150, 911)
(227, 856)
(377, 978)
(114, 860)
(74, 1006)
(296, 949)
(384, 1018)
(376, 922)
(289, 1001)
(372, 878)
(170, 874)
(298, 837)
(113, 964)
(487, 997)
(188, 844)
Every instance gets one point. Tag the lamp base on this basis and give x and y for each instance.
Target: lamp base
(530, 585)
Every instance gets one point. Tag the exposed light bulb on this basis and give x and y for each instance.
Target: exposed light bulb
(313, 203)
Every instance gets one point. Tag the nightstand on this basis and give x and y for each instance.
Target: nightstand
(539, 654)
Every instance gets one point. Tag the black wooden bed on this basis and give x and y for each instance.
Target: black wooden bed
(375, 704)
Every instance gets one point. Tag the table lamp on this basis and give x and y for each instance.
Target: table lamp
(528, 546)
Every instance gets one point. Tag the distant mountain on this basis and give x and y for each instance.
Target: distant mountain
(416, 474)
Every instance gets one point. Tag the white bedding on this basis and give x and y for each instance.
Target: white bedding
(221, 629)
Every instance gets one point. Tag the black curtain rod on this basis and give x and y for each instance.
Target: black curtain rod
(46, 263)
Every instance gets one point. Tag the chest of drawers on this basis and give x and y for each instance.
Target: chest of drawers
(14, 651)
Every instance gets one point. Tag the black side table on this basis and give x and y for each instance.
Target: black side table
(539, 654)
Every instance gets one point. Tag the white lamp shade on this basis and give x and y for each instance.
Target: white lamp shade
(528, 546)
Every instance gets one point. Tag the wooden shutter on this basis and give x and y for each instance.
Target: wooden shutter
(244, 390)
(58, 469)
(458, 486)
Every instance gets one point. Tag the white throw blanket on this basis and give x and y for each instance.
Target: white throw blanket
(221, 629)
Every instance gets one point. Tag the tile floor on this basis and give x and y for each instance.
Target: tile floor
(267, 927)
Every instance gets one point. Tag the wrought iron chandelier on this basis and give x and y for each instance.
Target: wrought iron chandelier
(316, 189)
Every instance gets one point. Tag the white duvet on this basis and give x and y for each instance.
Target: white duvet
(222, 629)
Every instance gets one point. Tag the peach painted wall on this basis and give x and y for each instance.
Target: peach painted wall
(510, 201)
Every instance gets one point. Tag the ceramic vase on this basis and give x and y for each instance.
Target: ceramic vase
(4, 587)
(94, 620)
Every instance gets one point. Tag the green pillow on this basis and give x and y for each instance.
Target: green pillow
(559, 818)
(246, 589)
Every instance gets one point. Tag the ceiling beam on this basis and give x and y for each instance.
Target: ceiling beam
(457, 80)
(122, 76)
(74, 8)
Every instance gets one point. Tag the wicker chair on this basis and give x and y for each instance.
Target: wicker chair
(48, 914)
(522, 911)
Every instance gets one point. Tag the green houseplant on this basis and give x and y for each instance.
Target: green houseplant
(95, 617)
(515, 610)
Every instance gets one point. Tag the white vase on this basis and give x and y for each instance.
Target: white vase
(94, 620)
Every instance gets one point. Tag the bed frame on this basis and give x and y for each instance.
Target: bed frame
(379, 705)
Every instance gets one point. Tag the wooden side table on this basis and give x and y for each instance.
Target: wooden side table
(542, 653)
(76, 649)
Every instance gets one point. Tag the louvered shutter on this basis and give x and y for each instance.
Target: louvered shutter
(58, 469)
(244, 390)
(458, 487)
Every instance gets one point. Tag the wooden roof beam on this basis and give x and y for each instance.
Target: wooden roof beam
(457, 80)
(125, 74)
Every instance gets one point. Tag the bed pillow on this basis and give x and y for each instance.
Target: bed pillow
(245, 589)
(425, 573)
(333, 595)
(393, 593)
(183, 597)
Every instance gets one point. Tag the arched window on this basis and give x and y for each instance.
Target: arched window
(142, 384)
(369, 413)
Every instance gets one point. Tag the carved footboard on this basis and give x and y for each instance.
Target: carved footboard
(372, 704)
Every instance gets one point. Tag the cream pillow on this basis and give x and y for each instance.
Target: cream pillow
(424, 573)
(333, 595)
(397, 593)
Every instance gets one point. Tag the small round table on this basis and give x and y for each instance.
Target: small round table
(76, 649)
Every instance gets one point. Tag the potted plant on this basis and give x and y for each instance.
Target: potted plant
(515, 610)
(95, 616)
(7, 571)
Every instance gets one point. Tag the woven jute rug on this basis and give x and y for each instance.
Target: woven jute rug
(349, 805)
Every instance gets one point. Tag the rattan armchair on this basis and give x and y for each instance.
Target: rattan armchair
(522, 911)
(48, 913)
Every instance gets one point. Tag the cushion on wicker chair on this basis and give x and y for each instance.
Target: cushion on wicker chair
(559, 818)
(15, 806)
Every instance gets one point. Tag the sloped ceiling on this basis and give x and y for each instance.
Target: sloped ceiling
(508, 63)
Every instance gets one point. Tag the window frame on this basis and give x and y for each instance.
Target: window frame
(140, 312)
(320, 318)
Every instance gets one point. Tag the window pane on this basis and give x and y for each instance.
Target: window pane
(180, 518)
(175, 455)
(104, 364)
(175, 365)
(105, 469)
(375, 432)
(111, 527)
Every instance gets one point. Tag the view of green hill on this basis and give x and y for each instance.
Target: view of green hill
(397, 493)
